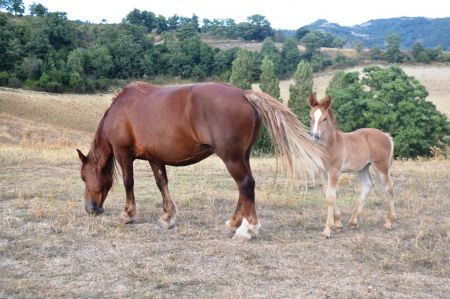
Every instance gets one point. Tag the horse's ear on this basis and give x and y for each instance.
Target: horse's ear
(83, 158)
(313, 100)
(326, 102)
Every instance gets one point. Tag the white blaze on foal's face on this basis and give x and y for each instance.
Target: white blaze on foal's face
(317, 115)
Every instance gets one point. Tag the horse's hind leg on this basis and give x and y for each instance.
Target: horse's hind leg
(385, 175)
(169, 214)
(366, 186)
(245, 213)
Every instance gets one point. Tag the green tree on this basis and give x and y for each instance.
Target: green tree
(269, 82)
(388, 99)
(269, 50)
(13, 6)
(100, 61)
(393, 53)
(300, 90)
(242, 70)
(290, 55)
(312, 42)
(37, 9)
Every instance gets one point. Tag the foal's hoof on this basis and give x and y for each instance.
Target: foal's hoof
(326, 234)
(127, 219)
(388, 226)
(167, 224)
(353, 222)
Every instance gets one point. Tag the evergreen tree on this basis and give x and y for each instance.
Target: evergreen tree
(269, 82)
(290, 56)
(300, 90)
(268, 49)
(242, 70)
(393, 53)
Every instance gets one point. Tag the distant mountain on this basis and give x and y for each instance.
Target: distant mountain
(430, 32)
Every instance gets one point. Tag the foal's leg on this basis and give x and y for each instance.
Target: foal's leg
(333, 177)
(126, 164)
(245, 213)
(366, 185)
(169, 214)
(389, 186)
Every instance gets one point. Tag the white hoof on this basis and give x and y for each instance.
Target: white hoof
(242, 233)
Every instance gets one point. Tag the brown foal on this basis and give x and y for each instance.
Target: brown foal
(350, 152)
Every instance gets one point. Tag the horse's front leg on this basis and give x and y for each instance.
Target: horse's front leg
(126, 164)
(333, 213)
(169, 214)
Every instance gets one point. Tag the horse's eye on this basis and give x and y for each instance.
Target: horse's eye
(83, 178)
(325, 119)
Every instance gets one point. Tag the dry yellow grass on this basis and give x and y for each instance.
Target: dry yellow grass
(49, 247)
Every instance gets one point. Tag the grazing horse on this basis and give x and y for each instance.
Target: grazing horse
(182, 125)
(350, 152)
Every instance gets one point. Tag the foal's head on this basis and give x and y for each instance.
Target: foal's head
(97, 179)
(321, 118)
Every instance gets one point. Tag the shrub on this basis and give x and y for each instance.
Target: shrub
(388, 99)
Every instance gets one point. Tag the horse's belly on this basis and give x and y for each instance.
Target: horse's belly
(175, 155)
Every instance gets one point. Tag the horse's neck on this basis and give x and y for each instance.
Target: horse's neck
(333, 135)
(100, 148)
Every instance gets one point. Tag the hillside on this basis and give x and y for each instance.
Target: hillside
(430, 32)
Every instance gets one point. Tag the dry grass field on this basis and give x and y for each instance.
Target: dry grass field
(50, 248)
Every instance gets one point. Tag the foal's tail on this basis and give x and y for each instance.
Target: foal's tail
(291, 141)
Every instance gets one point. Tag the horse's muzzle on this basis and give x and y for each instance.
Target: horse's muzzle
(315, 136)
(92, 208)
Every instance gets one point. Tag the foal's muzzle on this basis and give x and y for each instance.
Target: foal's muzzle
(315, 136)
(92, 208)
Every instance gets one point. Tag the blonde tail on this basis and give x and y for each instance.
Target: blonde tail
(291, 140)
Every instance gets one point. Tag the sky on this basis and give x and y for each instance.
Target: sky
(282, 14)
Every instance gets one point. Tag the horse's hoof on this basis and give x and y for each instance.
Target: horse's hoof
(388, 226)
(338, 228)
(126, 219)
(231, 227)
(353, 222)
(167, 224)
(326, 234)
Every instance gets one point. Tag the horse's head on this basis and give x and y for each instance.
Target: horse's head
(320, 117)
(97, 183)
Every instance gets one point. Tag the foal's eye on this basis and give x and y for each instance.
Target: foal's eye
(325, 119)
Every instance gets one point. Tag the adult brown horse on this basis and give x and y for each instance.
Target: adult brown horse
(350, 152)
(183, 125)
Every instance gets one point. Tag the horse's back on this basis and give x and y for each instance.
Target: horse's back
(175, 124)
(378, 144)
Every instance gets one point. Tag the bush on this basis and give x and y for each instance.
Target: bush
(388, 99)
(4, 78)
(14, 82)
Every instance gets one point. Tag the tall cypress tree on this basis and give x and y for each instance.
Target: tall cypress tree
(269, 82)
(242, 70)
(300, 90)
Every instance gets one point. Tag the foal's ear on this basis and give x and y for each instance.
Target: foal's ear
(83, 158)
(326, 102)
(313, 100)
